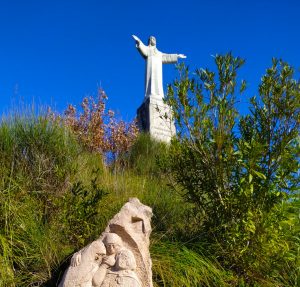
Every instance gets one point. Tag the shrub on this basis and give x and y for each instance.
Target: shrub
(236, 170)
(97, 129)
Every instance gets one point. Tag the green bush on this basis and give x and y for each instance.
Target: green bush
(238, 170)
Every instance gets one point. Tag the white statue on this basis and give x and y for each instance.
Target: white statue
(154, 60)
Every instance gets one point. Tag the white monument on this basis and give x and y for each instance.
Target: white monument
(154, 116)
(120, 256)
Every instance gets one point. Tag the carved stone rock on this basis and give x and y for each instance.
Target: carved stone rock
(120, 256)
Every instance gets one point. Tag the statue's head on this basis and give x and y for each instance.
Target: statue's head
(113, 243)
(152, 41)
(99, 248)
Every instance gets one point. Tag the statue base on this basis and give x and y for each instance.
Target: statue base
(155, 118)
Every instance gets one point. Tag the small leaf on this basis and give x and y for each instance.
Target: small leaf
(250, 177)
(259, 174)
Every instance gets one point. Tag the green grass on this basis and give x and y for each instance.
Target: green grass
(174, 264)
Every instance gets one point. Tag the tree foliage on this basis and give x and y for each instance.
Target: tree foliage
(237, 170)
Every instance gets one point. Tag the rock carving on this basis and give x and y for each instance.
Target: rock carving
(119, 257)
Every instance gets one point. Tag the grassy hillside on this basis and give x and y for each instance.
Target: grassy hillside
(56, 196)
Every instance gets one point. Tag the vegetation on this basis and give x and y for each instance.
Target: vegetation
(97, 129)
(241, 173)
(225, 192)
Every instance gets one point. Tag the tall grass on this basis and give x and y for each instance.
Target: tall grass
(36, 161)
(176, 265)
(35, 149)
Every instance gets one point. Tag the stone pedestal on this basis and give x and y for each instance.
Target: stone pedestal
(154, 117)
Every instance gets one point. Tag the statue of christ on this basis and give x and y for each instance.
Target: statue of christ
(154, 60)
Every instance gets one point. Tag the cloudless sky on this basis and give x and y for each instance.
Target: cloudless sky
(55, 52)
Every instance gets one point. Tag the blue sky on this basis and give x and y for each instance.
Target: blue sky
(56, 52)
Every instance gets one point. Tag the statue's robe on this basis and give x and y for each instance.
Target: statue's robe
(154, 60)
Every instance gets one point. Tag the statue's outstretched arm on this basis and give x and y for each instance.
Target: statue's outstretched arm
(171, 58)
(142, 48)
(182, 56)
(137, 39)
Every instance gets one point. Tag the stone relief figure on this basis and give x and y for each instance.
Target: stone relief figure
(154, 60)
(120, 257)
(120, 264)
(84, 266)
